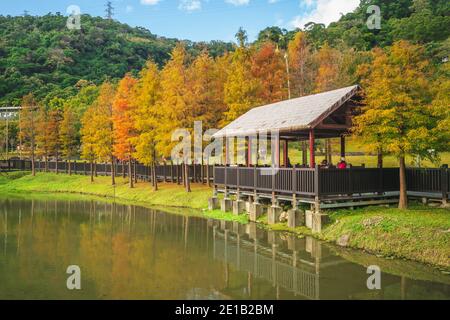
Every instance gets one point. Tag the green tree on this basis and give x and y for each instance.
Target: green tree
(398, 111)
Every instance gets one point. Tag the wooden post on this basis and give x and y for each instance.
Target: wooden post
(238, 196)
(294, 188)
(227, 160)
(342, 146)
(275, 152)
(255, 181)
(226, 182)
(207, 174)
(444, 183)
(312, 154)
(164, 170)
(304, 153)
(285, 153)
(316, 189)
(249, 151)
(329, 156)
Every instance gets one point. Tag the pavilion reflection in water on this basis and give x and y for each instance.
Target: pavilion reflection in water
(304, 267)
(205, 258)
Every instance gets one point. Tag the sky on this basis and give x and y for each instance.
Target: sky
(198, 20)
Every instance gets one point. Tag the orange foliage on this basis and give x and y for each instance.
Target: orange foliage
(123, 109)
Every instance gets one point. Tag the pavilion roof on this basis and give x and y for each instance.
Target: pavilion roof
(289, 115)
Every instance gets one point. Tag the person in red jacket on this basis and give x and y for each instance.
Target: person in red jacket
(342, 164)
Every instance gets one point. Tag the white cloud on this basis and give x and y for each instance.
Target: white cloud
(325, 11)
(273, 1)
(190, 5)
(238, 2)
(150, 2)
(129, 9)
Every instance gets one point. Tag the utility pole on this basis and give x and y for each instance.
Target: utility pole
(109, 10)
(288, 75)
(7, 138)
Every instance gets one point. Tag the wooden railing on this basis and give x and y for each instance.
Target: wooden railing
(306, 182)
(312, 182)
(165, 172)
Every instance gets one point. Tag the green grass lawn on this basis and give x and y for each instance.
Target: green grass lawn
(167, 195)
(368, 160)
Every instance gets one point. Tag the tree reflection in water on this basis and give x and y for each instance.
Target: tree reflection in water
(129, 252)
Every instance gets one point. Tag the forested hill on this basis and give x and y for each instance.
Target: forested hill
(41, 55)
(420, 21)
(425, 22)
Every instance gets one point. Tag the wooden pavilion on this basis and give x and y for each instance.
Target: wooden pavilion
(323, 115)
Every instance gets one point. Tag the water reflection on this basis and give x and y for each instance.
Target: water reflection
(133, 252)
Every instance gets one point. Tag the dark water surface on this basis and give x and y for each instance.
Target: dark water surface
(128, 252)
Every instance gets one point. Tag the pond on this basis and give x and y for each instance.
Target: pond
(130, 252)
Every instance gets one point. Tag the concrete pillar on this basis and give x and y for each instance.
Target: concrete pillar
(238, 207)
(226, 205)
(318, 221)
(273, 214)
(256, 211)
(296, 218)
(308, 218)
(213, 203)
(248, 204)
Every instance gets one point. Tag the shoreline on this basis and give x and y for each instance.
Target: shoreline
(420, 234)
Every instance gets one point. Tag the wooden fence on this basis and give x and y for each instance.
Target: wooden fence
(303, 182)
(323, 183)
(166, 172)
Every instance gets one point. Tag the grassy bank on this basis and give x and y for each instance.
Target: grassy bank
(421, 233)
(167, 195)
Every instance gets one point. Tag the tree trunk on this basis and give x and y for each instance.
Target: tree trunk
(113, 171)
(56, 163)
(403, 200)
(154, 179)
(207, 174)
(33, 167)
(95, 168)
(130, 174)
(69, 167)
(92, 170)
(304, 153)
(123, 169)
(380, 159)
(134, 172)
(186, 175)
(46, 164)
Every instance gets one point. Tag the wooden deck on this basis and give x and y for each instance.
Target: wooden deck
(331, 187)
